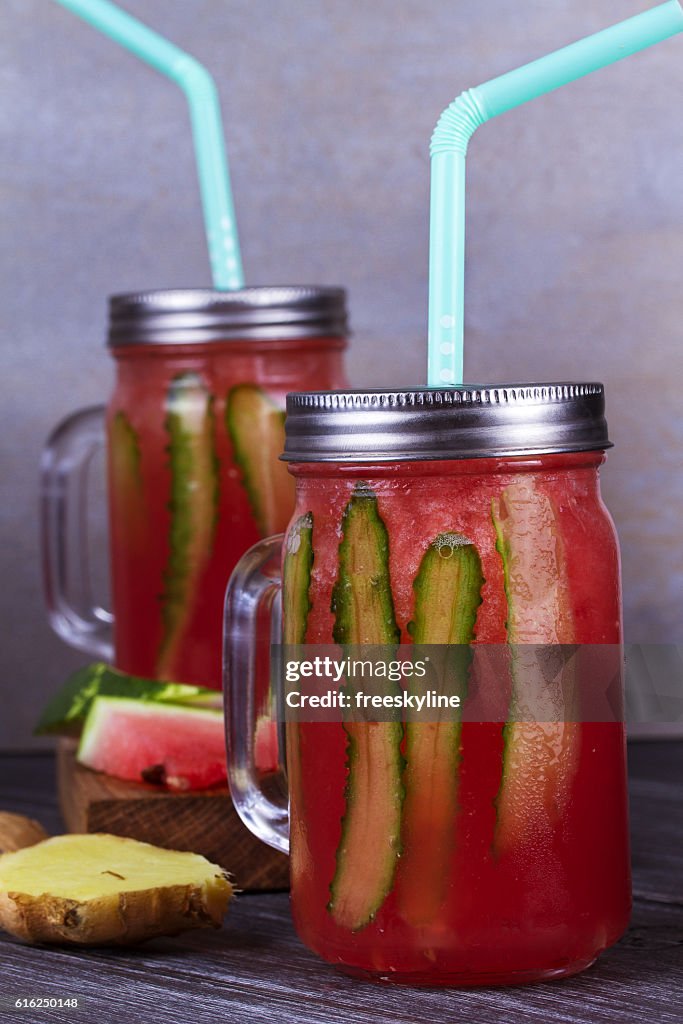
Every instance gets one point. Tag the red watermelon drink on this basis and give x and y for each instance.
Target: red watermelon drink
(195, 430)
(455, 852)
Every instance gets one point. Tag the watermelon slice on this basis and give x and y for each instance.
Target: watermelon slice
(68, 709)
(176, 746)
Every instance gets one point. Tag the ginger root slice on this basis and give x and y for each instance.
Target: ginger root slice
(106, 890)
(16, 832)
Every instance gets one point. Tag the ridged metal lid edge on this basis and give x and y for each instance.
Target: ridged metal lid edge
(436, 397)
(475, 421)
(199, 315)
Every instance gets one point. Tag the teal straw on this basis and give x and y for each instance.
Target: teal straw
(207, 128)
(448, 148)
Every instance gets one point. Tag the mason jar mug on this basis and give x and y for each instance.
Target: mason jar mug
(482, 839)
(194, 430)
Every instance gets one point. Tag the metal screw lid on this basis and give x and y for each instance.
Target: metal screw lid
(185, 316)
(475, 421)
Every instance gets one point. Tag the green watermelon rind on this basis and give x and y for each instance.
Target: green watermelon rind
(68, 709)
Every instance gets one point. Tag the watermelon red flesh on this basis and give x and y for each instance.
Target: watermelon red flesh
(183, 748)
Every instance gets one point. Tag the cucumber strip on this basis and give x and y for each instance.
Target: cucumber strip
(363, 606)
(362, 600)
(447, 596)
(124, 454)
(296, 583)
(256, 426)
(539, 757)
(193, 507)
(125, 480)
(447, 592)
(296, 578)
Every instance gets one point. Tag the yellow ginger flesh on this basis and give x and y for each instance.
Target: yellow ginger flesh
(95, 889)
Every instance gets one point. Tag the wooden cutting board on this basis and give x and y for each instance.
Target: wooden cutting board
(203, 822)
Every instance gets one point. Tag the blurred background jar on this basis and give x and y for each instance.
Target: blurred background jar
(194, 430)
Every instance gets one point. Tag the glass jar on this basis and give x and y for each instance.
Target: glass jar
(194, 430)
(463, 848)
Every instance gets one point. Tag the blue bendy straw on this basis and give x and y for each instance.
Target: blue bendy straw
(449, 146)
(207, 127)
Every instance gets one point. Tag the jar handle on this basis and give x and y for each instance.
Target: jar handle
(67, 579)
(255, 745)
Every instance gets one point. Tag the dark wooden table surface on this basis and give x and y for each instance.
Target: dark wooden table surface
(255, 969)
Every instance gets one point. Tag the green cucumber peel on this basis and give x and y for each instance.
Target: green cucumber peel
(531, 794)
(364, 582)
(297, 565)
(370, 835)
(125, 452)
(447, 591)
(193, 505)
(362, 603)
(256, 427)
(296, 578)
(447, 597)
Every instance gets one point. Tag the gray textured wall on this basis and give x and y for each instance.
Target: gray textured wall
(575, 231)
